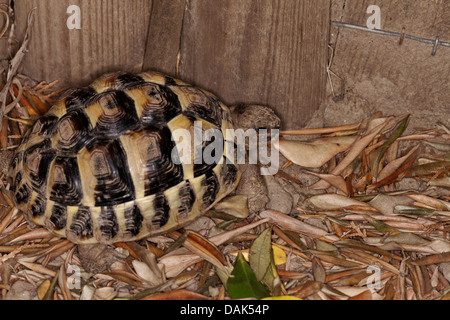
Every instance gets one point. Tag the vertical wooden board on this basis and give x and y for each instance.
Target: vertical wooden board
(4, 39)
(421, 18)
(265, 52)
(112, 37)
(371, 55)
(164, 36)
(404, 78)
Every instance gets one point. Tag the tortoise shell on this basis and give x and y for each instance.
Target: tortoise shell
(100, 165)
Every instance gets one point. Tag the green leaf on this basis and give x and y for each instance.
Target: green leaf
(223, 276)
(243, 283)
(412, 210)
(379, 153)
(379, 225)
(262, 261)
(260, 254)
(272, 279)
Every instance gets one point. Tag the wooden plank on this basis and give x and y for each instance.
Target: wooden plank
(4, 39)
(164, 36)
(264, 52)
(111, 38)
(362, 53)
(397, 78)
(421, 18)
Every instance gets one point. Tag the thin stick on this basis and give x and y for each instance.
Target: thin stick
(402, 35)
(14, 66)
(5, 27)
(354, 126)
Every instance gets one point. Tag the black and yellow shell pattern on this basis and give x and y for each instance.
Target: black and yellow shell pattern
(98, 166)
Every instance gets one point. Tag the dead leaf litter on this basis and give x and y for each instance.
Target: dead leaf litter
(371, 220)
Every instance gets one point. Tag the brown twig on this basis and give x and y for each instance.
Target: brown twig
(14, 66)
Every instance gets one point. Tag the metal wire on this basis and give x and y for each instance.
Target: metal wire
(401, 35)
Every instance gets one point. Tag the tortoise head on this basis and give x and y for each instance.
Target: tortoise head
(255, 117)
(6, 157)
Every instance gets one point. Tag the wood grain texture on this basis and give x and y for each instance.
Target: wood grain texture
(420, 18)
(164, 36)
(380, 74)
(270, 52)
(111, 38)
(4, 40)
(408, 73)
(264, 52)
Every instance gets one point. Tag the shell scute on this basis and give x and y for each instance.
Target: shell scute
(155, 104)
(65, 182)
(73, 132)
(82, 225)
(37, 160)
(105, 174)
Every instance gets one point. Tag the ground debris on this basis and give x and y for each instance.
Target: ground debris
(355, 231)
(361, 241)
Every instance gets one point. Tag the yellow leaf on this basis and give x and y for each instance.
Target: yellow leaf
(279, 256)
(282, 298)
(43, 288)
(244, 253)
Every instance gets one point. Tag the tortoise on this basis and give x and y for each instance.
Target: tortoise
(100, 166)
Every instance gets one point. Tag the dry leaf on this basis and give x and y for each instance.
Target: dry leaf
(40, 233)
(62, 282)
(205, 249)
(406, 238)
(336, 181)
(14, 66)
(226, 236)
(87, 293)
(429, 169)
(429, 201)
(394, 165)
(38, 268)
(355, 150)
(144, 271)
(440, 246)
(235, 206)
(153, 273)
(295, 225)
(175, 264)
(279, 256)
(334, 202)
(177, 295)
(329, 130)
(105, 293)
(440, 182)
(318, 270)
(43, 288)
(386, 204)
(433, 259)
(313, 154)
